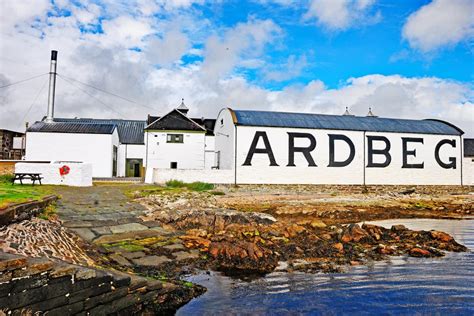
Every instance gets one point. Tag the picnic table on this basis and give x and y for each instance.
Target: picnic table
(27, 175)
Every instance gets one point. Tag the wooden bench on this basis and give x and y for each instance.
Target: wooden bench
(27, 175)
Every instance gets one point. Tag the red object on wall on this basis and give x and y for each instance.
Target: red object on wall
(64, 170)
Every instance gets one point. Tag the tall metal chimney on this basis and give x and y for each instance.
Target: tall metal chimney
(52, 86)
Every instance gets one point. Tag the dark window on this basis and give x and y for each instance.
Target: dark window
(174, 138)
(174, 165)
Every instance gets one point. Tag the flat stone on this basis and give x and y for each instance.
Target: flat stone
(84, 233)
(102, 230)
(141, 234)
(161, 230)
(133, 255)
(184, 255)
(77, 224)
(174, 247)
(120, 260)
(151, 261)
(124, 228)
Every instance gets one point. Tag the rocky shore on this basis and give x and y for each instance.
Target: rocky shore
(164, 234)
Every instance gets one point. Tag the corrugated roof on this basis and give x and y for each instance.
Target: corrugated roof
(344, 122)
(72, 127)
(468, 147)
(129, 131)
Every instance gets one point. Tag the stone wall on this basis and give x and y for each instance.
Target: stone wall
(23, 211)
(370, 189)
(31, 285)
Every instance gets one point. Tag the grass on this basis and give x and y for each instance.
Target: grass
(17, 193)
(193, 186)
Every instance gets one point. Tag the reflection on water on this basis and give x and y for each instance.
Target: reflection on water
(399, 285)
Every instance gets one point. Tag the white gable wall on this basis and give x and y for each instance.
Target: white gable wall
(96, 149)
(224, 131)
(468, 170)
(160, 153)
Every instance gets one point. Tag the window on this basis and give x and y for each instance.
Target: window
(174, 165)
(174, 138)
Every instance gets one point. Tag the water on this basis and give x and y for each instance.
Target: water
(400, 285)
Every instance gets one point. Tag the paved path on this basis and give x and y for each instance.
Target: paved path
(105, 216)
(92, 212)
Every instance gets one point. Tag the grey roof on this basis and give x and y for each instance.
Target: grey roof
(468, 147)
(129, 131)
(176, 121)
(78, 128)
(344, 122)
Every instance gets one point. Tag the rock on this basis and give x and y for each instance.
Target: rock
(385, 250)
(84, 233)
(441, 236)
(338, 246)
(175, 247)
(184, 255)
(124, 228)
(195, 242)
(408, 191)
(199, 232)
(418, 252)
(295, 230)
(399, 228)
(317, 224)
(133, 255)
(354, 233)
(151, 261)
(120, 260)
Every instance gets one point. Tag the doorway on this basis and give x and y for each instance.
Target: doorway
(134, 168)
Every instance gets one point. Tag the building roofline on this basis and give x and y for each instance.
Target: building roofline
(175, 110)
(447, 123)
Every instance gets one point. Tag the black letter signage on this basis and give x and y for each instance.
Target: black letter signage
(332, 155)
(372, 152)
(452, 160)
(254, 150)
(306, 151)
(406, 153)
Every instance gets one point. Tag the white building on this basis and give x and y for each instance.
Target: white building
(468, 161)
(296, 148)
(176, 141)
(113, 147)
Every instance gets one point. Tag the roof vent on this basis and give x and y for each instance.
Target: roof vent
(183, 108)
(346, 112)
(370, 114)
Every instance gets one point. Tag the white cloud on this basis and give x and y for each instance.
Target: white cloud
(167, 50)
(339, 15)
(291, 69)
(440, 23)
(245, 40)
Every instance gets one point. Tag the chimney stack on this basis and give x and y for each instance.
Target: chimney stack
(52, 87)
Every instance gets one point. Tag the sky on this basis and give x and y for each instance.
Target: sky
(402, 58)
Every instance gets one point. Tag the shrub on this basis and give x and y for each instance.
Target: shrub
(175, 184)
(6, 178)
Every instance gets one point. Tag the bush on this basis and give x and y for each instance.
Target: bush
(6, 178)
(194, 186)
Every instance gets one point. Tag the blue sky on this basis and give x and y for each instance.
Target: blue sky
(404, 58)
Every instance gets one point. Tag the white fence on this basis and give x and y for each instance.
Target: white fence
(80, 174)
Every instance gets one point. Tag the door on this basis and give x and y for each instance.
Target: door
(134, 168)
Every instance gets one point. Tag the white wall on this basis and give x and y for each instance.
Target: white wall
(224, 131)
(209, 154)
(160, 176)
(188, 155)
(129, 151)
(468, 171)
(95, 149)
(80, 174)
(261, 172)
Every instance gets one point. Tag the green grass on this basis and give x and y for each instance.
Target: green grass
(193, 186)
(17, 193)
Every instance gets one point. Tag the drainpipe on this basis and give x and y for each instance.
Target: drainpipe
(461, 158)
(52, 87)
